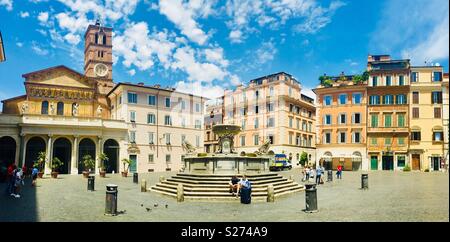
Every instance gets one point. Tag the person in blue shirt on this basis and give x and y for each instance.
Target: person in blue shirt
(318, 174)
(34, 174)
(244, 183)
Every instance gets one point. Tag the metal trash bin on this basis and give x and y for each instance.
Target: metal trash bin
(111, 200)
(311, 198)
(329, 176)
(91, 183)
(135, 178)
(364, 181)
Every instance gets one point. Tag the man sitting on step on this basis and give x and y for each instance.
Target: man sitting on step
(234, 186)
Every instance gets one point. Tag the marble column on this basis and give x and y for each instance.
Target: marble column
(22, 149)
(48, 155)
(99, 150)
(74, 162)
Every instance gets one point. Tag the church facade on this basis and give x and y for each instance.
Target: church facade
(68, 115)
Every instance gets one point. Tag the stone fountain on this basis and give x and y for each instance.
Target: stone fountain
(226, 160)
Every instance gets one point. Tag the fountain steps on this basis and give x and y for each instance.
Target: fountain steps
(211, 188)
(249, 176)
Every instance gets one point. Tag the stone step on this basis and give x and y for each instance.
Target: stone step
(222, 185)
(224, 189)
(229, 175)
(223, 199)
(225, 179)
(181, 180)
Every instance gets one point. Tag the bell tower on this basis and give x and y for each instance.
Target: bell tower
(98, 52)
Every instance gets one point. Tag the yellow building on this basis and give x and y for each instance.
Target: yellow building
(426, 118)
(272, 108)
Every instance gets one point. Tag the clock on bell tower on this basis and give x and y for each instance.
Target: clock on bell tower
(98, 52)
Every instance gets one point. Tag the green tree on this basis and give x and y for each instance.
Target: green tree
(88, 162)
(102, 158)
(40, 161)
(304, 158)
(56, 163)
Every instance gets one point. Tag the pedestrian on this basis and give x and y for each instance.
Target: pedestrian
(318, 174)
(10, 179)
(24, 170)
(18, 183)
(34, 173)
(339, 172)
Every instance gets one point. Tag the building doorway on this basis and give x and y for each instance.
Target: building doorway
(111, 149)
(415, 162)
(374, 163)
(132, 167)
(34, 146)
(435, 162)
(86, 147)
(7, 151)
(62, 149)
(388, 162)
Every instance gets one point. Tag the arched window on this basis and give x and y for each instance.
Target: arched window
(60, 108)
(96, 38)
(44, 107)
(104, 39)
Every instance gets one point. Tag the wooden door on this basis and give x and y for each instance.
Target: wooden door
(415, 162)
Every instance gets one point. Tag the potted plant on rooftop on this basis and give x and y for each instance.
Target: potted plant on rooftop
(89, 164)
(126, 164)
(102, 159)
(55, 165)
(40, 163)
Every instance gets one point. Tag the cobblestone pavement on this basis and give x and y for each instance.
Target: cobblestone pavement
(392, 196)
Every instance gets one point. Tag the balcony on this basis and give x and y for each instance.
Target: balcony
(388, 130)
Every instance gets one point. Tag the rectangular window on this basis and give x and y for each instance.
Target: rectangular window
(197, 107)
(437, 113)
(414, 76)
(327, 138)
(269, 107)
(327, 119)
(387, 141)
(243, 124)
(183, 137)
(400, 99)
(242, 140)
(290, 138)
(271, 139)
(356, 118)
(401, 141)
(415, 97)
(133, 116)
(271, 122)
(183, 105)
(356, 98)
(298, 123)
(342, 99)
(436, 97)
(401, 80)
(167, 135)
(388, 80)
(374, 81)
(327, 100)
(342, 137)
(198, 124)
(168, 159)
(167, 102)
(151, 138)
(374, 120)
(256, 123)
(256, 139)
(151, 118)
(271, 91)
(183, 122)
(197, 141)
(133, 136)
(437, 136)
(151, 158)
(342, 118)
(401, 161)
(152, 100)
(374, 100)
(401, 120)
(437, 76)
(291, 122)
(120, 99)
(415, 136)
(388, 99)
(256, 109)
(357, 137)
(415, 112)
(309, 126)
(132, 97)
(374, 141)
(167, 120)
(387, 120)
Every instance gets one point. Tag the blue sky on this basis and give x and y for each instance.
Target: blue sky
(205, 46)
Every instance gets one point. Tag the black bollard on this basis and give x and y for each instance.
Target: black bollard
(91, 183)
(330, 176)
(364, 181)
(135, 178)
(311, 198)
(111, 200)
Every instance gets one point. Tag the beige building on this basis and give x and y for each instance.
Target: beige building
(426, 120)
(158, 121)
(213, 116)
(272, 108)
(445, 121)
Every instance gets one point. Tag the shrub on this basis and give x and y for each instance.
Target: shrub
(406, 168)
(427, 170)
(202, 154)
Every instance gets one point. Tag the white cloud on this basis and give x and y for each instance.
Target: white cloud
(7, 3)
(43, 17)
(19, 44)
(41, 31)
(317, 18)
(74, 24)
(72, 39)
(236, 36)
(24, 14)
(183, 16)
(132, 72)
(38, 49)
(265, 53)
(200, 89)
(215, 55)
(420, 31)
